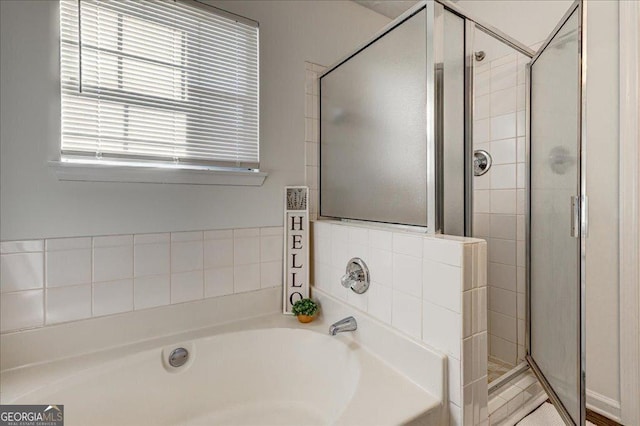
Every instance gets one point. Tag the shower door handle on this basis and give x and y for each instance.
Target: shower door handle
(575, 216)
(579, 216)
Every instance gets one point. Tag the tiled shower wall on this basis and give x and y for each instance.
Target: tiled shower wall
(499, 197)
(45, 282)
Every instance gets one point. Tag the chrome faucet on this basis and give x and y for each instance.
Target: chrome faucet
(346, 324)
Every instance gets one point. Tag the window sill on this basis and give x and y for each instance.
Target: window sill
(137, 174)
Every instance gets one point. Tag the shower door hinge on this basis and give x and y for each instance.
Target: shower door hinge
(579, 216)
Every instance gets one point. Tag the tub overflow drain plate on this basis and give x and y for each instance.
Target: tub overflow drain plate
(178, 357)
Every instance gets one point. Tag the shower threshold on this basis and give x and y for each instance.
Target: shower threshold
(496, 368)
(506, 377)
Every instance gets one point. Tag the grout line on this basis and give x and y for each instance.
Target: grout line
(133, 273)
(44, 286)
(92, 277)
(171, 269)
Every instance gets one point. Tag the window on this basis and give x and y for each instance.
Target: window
(160, 82)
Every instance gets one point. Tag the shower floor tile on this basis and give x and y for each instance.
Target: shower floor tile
(496, 368)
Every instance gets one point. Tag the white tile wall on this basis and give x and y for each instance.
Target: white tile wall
(113, 263)
(499, 194)
(503, 126)
(151, 291)
(482, 201)
(21, 309)
(152, 259)
(440, 326)
(502, 201)
(51, 281)
(270, 274)
(444, 251)
(69, 261)
(379, 306)
(406, 315)
(151, 270)
(407, 274)
(218, 281)
(503, 101)
(187, 254)
(270, 248)
(503, 226)
(246, 278)
(75, 243)
(481, 131)
(218, 263)
(21, 271)
(112, 297)
(68, 303)
(482, 107)
(8, 247)
(218, 252)
(502, 276)
(431, 288)
(246, 247)
(501, 250)
(503, 151)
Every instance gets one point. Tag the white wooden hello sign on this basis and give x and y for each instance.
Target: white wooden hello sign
(296, 246)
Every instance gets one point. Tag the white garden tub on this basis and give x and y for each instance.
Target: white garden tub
(261, 371)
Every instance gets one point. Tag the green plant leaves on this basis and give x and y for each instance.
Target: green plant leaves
(305, 307)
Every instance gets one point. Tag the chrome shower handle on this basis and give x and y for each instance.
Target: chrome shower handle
(349, 279)
(356, 276)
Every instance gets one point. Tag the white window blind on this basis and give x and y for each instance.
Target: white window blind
(160, 81)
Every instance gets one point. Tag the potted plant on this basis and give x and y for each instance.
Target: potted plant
(305, 310)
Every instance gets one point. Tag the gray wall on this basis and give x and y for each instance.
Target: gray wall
(34, 204)
(603, 147)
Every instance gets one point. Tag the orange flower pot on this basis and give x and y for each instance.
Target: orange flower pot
(305, 318)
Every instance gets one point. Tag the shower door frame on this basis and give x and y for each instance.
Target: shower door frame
(433, 216)
(582, 216)
(472, 24)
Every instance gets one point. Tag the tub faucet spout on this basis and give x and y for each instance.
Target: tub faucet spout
(346, 324)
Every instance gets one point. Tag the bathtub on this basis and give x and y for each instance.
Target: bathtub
(267, 370)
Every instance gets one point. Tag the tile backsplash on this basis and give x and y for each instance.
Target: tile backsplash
(45, 282)
(432, 288)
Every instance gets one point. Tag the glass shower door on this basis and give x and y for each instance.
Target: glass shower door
(557, 220)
